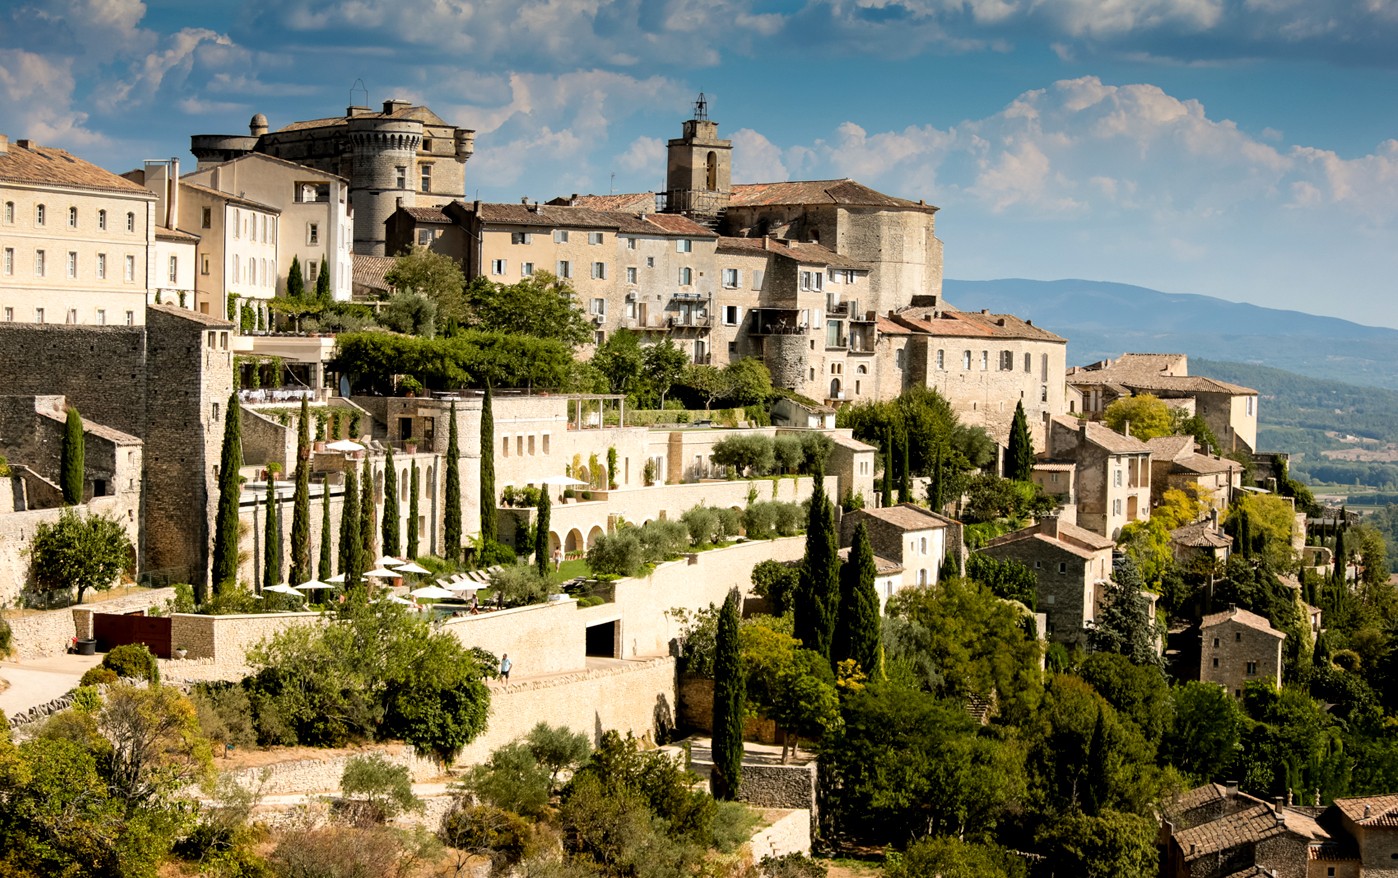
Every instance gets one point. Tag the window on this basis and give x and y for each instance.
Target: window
(985, 360)
(174, 269)
(9, 315)
(38, 315)
(1007, 361)
(594, 237)
(130, 318)
(756, 279)
(560, 236)
(520, 237)
(631, 274)
(426, 178)
(72, 264)
(599, 271)
(731, 315)
(1237, 636)
(313, 269)
(497, 266)
(1116, 478)
(650, 262)
(39, 264)
(9, 212)
(730, 278)
(565, 270)
(1116, 506)
(941, 359)
(9, 260)
(426, 144)
(505, 447)
(102, 220)
(204, 266)
(40, 214)
(400, 177)
(684, 245)
(130, 275)
(312, 233)
(72, 217)
(1215, 662)
(900, 358)
(131, 222)
(630, 243)
(1043, 393)
(101, 266)
(599, 306)
(237, 223)
(1252, 669)
(424, 237)
(101, 317)
(72, 315)
(1251, 400)
(1062, 566)
(965, 359)
(686, 276)
(1028, 363)
(526, 269)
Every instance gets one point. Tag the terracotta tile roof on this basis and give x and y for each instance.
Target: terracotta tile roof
(165, 234)
(1071, 538)
(845, 191)
(28, 162)
(888, 326)
(1198, 797)
(1050, 466)
(1242, 617)
(1167, 372)
(1382, 810)
(907, 516)
(561, 217)
(230, 197)
(1205, 464)
(1170, 447)
(1200, 536)
(369, 270)
(1104, 436)
(427, 214)
(192, 316)
(882, 566)
(800, 251)
(1332, 852)
(421, 114)
(1248, 826)
(672, 223)
(950, 323)
(627, 202)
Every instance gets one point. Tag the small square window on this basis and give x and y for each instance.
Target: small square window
(560, 236)
(526, 269)
(594, 237)
(497, 266)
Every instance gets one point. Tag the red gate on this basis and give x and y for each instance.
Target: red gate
(112, 630)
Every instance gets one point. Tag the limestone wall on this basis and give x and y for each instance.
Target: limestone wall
(226, 639)
(43, 633)
(540, 639)
(779, 786)
(788, 833)
(323, 775)
(267, 441)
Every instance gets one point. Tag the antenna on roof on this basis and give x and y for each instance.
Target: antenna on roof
(701, 108)
(611, 187)
(359, 86)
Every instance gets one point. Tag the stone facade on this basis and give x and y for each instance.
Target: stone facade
(323, 775)
(44, 633)
(1071, 565)
(1111, 473)
(1238, 647)
(906, 534)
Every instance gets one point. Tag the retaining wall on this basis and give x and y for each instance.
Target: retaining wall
(45, 633)
(540, 639)
(323, 775)
(788, 833)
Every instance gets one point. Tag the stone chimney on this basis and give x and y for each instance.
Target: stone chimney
(392, 106)
(1230, 789)
(1048, 526)
(4, 144)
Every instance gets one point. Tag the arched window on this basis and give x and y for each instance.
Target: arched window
(711, 177)
(131, 222)
(72, 217)
(102, 220)
(40, 213)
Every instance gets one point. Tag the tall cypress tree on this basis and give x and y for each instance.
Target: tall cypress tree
(412, 513)
(351, 551)
(230, 486)
(327, 541)
(729, 696)
(70, 461)
(857, 625)
(301, 504)
(488, 534)
(1019, 455)
(541, 533)
(323, 283)
(451, 525)
(368, 523)
(819, 586)
(936, 489)
(272, 539)
(295, 283)
(391, 542)
(905, 474)
(1340, 573)
(886, 487)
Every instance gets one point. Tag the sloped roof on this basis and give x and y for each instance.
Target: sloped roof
(165, 234)
(420, 114)
(230, 197)
(563, 217)
(844, 191)
(1188, 800)
(950, 323)
(427, 214)
(1103, 436)
(1383, 810)
(628, 202)
(1205, 464)
(1170, 447)
(1245, 827)
(882, 566)
(192, 316)
(1200, 536)
(1242, 617)
(25, 161)
(800, 251)
(1152, 372)
(907, 516)
(111, 434)
(369, 271)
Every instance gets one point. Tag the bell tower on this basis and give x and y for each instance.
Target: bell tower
(698, 176)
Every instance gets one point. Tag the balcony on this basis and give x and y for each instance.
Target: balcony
(691, 320)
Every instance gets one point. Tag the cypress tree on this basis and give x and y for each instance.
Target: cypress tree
(905, 474)
(225, 561)
(1019, 455)
(857, 626)
(301, 504)
(391, 543)
(412, 514)
(488, 534)
(272, 539)
(1340, 574)
(886, 488)
(729, 697)
(323, 293)
(541, 533)
(295, 283)
(936, 489)
(327, 569)
(367, 521)
(819, 586)
(451, 537)
(351, 552)
(70, 461)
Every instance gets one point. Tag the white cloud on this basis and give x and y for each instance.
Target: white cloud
(757, 159)
(644, 159)
(36, 100)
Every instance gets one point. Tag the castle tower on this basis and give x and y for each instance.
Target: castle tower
(383, 155)
(698, 175)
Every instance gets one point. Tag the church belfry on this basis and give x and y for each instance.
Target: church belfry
(698, 177)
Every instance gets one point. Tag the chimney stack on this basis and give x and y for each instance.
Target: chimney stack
(1230, 789)
(4, 144)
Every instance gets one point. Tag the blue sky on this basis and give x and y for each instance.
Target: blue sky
(1246, 149)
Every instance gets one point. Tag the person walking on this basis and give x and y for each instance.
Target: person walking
(505, 665)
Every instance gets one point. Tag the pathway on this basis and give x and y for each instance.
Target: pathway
(39, 681)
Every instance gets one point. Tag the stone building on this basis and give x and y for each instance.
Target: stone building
(1176, 464)
(1239, 646)
(908, 535)
(1071, 564)
(1217, 831)
(1111, 473)
(402, 156)
(76, 242)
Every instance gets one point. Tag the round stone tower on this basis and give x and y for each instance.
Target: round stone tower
(384, 160)
(786, 358)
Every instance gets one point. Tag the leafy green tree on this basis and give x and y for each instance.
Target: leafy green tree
(230, 487)
(392, 545)
(301, 502)
(1206, 733)
(434, 275)
(621, 360)
(710, 383)
(542, 306)
(470, 358)
(749, 454)
(412, 511)
(801, 699)
(1008, 579)
(649, 777)
(511, 779)
(557, 748)
(857, 624)
(928, 422)
(326, 570)
(663, 365)
(368, 521)
(80, 552)
(777, 582)
(377, 790)
(1125, 624)
(272, 538)
(1139, 693)
(541, 535)
(1019, 457)
(155, 743)
(953, 858)
(502, 837)
(1148, 416)
(747, 382)
(323, 293)
(905, 475)
(616, 554)
(451, 537)
(1109, 845)
(295, 283)
(351, 546)
(818, 592)
(410, 313)
(70, 461)
(488, 499)
(729, 704)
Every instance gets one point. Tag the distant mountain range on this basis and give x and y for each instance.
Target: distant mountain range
(1102, 319)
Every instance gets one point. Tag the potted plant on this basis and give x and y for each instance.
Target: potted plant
(410, 445)
(181, 652)
(569, 493)
(273, 470)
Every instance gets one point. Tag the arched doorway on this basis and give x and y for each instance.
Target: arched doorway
(574, 545)
(593, 535)
(834, 388)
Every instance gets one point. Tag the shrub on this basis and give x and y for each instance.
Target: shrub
(6, 639)
(502, 836)
(702, 523)
(557, 747)
(747, 453)
(787, 453)
(132, 660)
(776, 582)
(662, 540)
(225, 714)
(521, 585)
(617, 554)
(730, 523)
(98, 676)
(816, 448)
(511, 779)
(790, 518)
(377, 790)
(792, 866)
(648, 472)
(493, 552)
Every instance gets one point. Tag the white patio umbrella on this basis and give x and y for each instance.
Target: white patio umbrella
(314, 585)
(417, 569)
(382, 573)
(282, 588)
(432, 593)
(561, 481)
(389, 561)
(337, 579)
(395, 599)
(344, 445)
(466, 587)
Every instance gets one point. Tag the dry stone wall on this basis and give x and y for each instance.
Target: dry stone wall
(45, 633)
